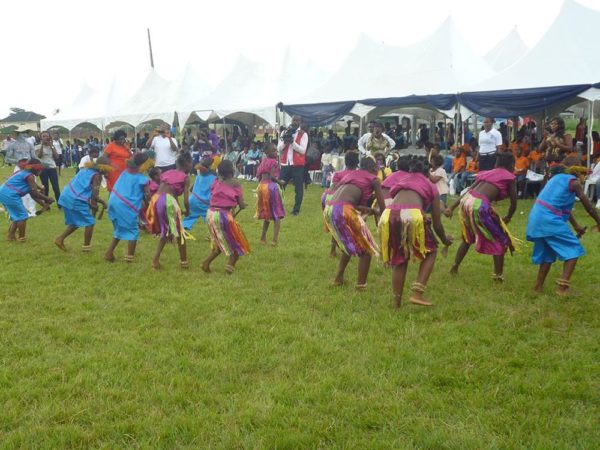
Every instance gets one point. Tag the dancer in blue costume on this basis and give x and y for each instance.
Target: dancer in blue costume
(14, 189)
(200, 198)
(547, 226)
(125, 205)
(79, 199)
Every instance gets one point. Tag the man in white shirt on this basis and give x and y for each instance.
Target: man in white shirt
(292, 146)
(58, 146)
(166, 149)
(490, 143)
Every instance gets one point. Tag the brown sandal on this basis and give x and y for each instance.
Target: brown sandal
(86, 248)
(229, 269)
(184, 264)
(360, 287)
(129, 258)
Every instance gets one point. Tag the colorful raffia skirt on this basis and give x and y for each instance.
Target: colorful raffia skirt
(325, 198)
(349, 229)
(226, 234)
(269, 201)
(405, 234)
(482, 226)
(165, 218)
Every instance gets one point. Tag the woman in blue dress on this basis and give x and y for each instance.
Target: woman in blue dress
(79, 198)
(547, 225)
(200, 198)
(14, 188)
(125, 205)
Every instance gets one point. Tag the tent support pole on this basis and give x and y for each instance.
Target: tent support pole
(590, 142)
(457, 124)
(225, 135)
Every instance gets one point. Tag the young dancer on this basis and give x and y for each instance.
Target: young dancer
(343, 219)
(351, 159)
(14, 189)
(165, 218)
(200, 198)
(79, 199)
(405, 231)
(547, 226)
(269, 201)
(154, 183)
(481, 225)
(225, 233)
(125, 205)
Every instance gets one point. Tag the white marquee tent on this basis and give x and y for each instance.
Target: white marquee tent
(507, 51)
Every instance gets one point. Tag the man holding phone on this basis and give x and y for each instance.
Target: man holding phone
(165, 147)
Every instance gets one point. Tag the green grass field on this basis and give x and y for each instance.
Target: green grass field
(94, 355)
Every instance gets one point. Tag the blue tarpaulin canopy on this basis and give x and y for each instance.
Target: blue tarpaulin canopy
(441, 101)
(518, 102)
(319, 113)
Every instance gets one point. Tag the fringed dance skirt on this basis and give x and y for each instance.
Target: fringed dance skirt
(226, 234)
(482, 226)
(405, 233)
(349, 229)
(269, 201)
(165, 218)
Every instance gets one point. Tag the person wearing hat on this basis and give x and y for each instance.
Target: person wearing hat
(376, 141)
(20, 149)
(166, 149)
(12, 191)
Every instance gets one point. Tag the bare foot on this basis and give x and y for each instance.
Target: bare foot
(10, 238)
(538, 289)
(454, 270)
(109, 257)
(274, 244)
(205, 267)
(155, 264)
(333, 254)
(397, 301)
(563, 291)
(419, 301)
(263, 242)
(60, 244)
(337, 282)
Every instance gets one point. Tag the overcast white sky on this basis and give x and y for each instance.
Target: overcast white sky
(52, 47)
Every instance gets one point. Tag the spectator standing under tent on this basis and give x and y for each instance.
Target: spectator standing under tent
(375, 141)
(490, 143)
(165, 148)
(118, 154)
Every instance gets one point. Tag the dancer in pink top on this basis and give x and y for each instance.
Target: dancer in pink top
(225, 232)
(481, 224)
(269, 201)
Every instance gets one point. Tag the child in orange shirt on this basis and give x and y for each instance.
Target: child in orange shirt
(521, 168)
(459, 165)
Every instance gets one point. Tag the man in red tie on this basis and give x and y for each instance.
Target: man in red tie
(292, 148)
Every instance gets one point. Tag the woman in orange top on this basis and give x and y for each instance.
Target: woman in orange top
(118, 153)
